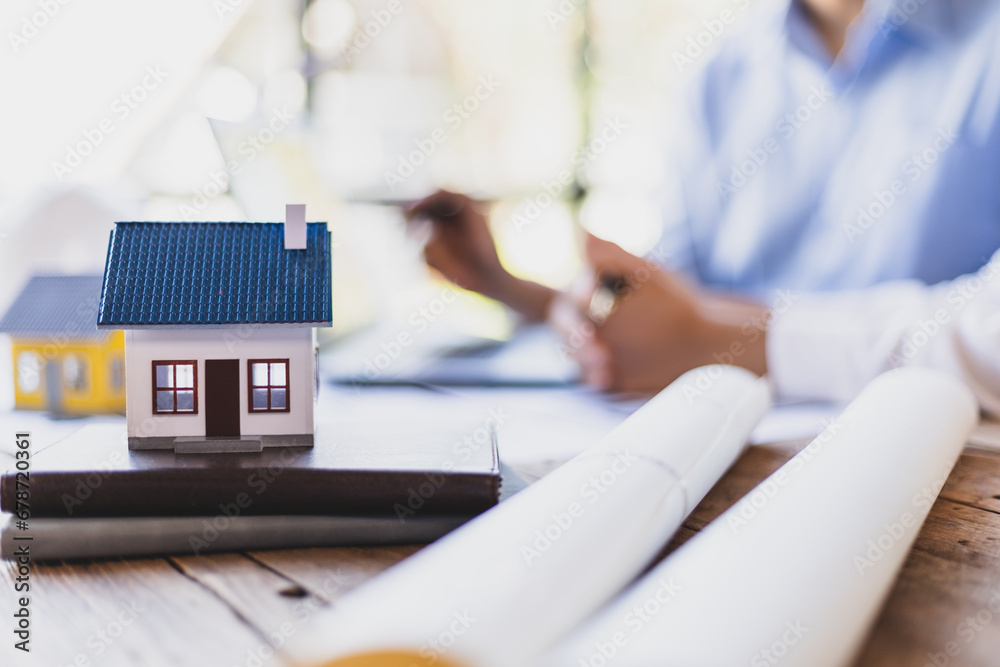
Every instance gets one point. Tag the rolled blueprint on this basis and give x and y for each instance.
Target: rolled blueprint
(508, 584)
(795, 573)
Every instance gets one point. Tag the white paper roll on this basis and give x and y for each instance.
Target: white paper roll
(508, 584)
(795, 573)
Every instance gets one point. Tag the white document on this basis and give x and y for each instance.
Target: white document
(511, 582)
(796, 572)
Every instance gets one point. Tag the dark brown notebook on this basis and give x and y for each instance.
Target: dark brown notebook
(353, 469)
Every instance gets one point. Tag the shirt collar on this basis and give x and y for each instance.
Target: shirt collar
(926, 21)
(881, 22)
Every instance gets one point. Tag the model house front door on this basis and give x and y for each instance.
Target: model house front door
(222, 397)
(53, 386)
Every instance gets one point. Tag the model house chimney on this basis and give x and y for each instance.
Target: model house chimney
(295, 226)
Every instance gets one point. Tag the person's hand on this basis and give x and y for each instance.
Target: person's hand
(461, 248)
(646, 341)
(658, 329)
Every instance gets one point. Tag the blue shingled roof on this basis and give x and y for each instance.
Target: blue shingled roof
(214, 274)
(55, 308)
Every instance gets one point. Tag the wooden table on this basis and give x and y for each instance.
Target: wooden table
(232, 609)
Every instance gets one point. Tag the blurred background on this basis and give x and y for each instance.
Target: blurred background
(228, 109)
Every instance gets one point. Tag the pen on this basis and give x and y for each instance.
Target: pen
(604, 300)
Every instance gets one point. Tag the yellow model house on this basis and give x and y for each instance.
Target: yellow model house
(62, 363)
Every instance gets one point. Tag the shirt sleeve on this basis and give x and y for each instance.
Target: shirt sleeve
(829, 346)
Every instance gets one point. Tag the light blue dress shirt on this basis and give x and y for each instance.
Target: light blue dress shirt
(799, 172)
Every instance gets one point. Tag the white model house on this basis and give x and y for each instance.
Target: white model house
(219, 320)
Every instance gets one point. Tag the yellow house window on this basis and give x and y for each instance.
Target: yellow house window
(75, 372)
(28, 367)
(117, 374)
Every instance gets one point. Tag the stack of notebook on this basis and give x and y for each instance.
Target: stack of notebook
(361, 483)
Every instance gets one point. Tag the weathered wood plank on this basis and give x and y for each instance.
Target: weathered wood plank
(330, 573)
(961, 534)
(750, 469)
(975, 480)
(268, 601)
(940, 613)
(136, 613)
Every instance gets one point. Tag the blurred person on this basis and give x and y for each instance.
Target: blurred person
(833, 206)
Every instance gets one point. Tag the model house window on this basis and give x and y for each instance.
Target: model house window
(175, 387)
(75, 372)
(28, 369)
(268, 385)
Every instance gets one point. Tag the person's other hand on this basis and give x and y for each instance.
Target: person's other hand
(659, 328)
(650, 336)
(461, 248)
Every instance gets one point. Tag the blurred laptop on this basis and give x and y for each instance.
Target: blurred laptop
(531, 357)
